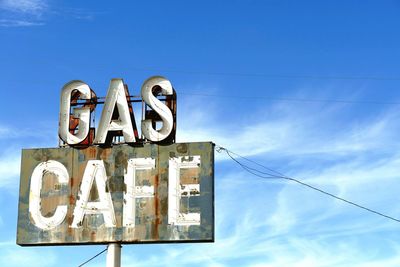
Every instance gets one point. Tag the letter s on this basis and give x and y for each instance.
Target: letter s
(160, 108)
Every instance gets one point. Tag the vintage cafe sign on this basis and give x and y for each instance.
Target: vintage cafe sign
(146, 189)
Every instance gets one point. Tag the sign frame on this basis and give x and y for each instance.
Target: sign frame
(159, 228)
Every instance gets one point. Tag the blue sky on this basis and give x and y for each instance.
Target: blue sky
(261, 78)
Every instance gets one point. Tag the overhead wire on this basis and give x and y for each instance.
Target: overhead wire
(271, 76)
(92, 258)
(270, 175)
(342, 101)
(323, 77)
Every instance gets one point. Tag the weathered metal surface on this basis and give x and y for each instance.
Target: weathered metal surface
(195, 187)
(117, 123)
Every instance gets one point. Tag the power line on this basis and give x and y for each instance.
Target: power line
(272, 76)
(343, 101)
(92, 258)
(272, 174)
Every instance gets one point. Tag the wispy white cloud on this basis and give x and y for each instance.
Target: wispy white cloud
(39, 131)
(32, 7)
(7, 243)
(19, 23)
(13, 140)
(285, 224)
(78, 13)
(290, 131)
(12, 255)
(9, 169)
(27, 13)
(4, 131)
(23, 13)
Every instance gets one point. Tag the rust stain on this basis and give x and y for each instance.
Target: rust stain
(71, 200)
(156, 207)
(151, 212)
(93, 236)
(69, 229)
(105, 153)
(92, 152)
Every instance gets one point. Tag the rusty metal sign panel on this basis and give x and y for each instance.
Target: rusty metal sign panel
(147, 194)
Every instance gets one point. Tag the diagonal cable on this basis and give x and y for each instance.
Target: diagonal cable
(268, 175)
(92, 258)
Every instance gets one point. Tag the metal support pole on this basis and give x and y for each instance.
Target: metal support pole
(114, 255)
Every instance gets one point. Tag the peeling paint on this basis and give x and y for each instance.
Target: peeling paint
(151, 222)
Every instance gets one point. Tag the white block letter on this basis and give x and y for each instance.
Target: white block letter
(58, 170)
(94, 171)
(116, 97)
(159, 107)
(82, 113)
(176, 190)
(133, 191)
